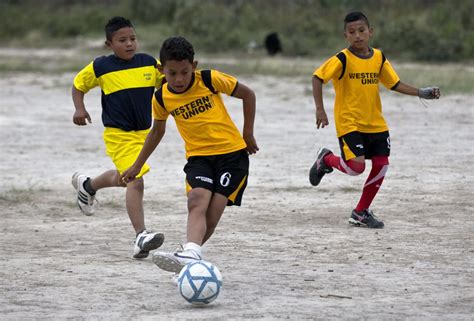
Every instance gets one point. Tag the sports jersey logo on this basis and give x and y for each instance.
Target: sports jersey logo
(193, 108)
(388, 142)
(366, 78)
(147, 75)
(205, 179)
(225, 179)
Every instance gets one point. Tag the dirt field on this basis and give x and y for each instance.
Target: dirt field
(287, 253)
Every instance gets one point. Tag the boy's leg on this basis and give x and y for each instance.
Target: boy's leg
(145, 240)
(214, 213)
(378, 149)
(198, 204)
(87, 187)
(134, 204)
(373, 182)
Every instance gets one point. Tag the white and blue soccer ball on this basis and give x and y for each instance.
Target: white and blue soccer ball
(200, 282)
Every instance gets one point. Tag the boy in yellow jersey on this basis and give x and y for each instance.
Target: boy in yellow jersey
(216, 152)
(127, 80)
(360, 126)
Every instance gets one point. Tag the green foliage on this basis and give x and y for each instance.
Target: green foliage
(432, 30)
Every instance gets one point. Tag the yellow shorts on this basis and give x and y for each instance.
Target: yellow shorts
(123, 147)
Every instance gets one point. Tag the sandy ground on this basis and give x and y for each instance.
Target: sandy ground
(287, 253)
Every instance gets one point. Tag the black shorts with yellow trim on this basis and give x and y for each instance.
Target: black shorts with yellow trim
(225, 174)
(355, 144)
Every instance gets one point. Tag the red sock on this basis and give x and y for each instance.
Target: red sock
(373, 182)
(350, 167)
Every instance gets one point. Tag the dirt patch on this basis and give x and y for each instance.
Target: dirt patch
(287, 253)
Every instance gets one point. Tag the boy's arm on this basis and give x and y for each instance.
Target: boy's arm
(425, 93)
(321, 117)
(152, 140)
(80, 115)
(249, 101)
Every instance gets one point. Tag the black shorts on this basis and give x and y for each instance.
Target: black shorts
(225, 174)
(356, 144)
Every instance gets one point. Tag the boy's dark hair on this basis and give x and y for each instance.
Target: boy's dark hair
(176, 48)
(355, 16)
(115, 24)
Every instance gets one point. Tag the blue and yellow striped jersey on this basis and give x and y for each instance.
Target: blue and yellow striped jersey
(127, 88)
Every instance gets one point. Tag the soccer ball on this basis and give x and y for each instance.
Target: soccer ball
(200, 282)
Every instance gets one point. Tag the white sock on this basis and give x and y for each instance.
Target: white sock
(193, 247)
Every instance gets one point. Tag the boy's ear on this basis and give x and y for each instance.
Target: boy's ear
(107, 44)
(195, 63)
(160, 68)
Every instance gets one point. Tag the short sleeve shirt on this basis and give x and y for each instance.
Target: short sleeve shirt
(127, 88)
(357, 105)
(201, 116)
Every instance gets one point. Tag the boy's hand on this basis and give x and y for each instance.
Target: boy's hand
(129, 175)
(252, 147)
(80, 117)
(429, 93)
(321, 118)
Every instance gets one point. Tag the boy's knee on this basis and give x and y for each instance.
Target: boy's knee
(356, 168)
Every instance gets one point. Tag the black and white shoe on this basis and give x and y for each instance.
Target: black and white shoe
(85, 201)
(365, 218)
(319, 168)
(146, 242)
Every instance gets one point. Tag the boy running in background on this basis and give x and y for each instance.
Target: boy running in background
(127, 80)
(217, 154)
(360, 126)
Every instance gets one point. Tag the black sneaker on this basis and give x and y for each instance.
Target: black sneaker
(319, 168)
(365, 218)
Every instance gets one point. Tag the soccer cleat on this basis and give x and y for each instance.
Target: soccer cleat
(145, 242)
(175, 261)
(365, 218)
(85, 201)
(319, 168)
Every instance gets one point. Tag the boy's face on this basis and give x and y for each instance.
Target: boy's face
(178, 73)
(357, 33)
(123, 43)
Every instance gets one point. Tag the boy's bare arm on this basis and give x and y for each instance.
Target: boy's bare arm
(80, 115)
(152, 140)
(321, 117)
(249, 101)
(425, 93)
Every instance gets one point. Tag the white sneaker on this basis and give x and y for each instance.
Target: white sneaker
(174, 261)
(85, 201)
(145, 242)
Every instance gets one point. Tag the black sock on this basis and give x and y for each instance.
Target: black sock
(88, 187)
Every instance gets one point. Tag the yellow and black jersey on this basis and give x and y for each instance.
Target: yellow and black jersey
(127, 88)
(356, 81)
(200, 114)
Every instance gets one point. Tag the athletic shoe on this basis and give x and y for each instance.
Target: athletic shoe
(85, 201)
(145, 242)
(365, 218)
(319, 168)
(175, 261)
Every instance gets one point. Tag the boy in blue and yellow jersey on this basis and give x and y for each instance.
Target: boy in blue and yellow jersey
(127, 80)
(217, 154)
(360, 126)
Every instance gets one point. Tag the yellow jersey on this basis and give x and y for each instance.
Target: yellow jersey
(357, 106)
(201, 116)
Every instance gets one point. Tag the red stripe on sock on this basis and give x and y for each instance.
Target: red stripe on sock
(351, 167)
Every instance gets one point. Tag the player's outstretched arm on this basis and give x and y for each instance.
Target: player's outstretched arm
(249, 101)
(152, 140)
(425, 93)
(321, 117)
(80, 115)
